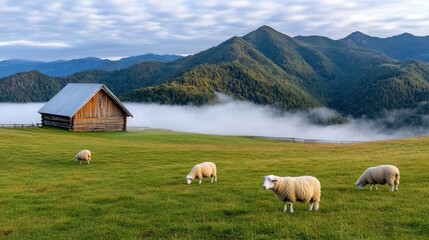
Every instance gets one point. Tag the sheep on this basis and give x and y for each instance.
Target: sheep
(205, 169)
(84, 155)
(379, 175)
(290, 189)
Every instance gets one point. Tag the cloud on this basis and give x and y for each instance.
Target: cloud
(21, 113)
(178, 26)
(34, 44)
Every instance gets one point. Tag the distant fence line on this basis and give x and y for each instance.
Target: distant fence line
(288, 139)
(20, 125)
(138, 128)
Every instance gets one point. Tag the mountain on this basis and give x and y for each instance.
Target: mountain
(65, 68)
(370, 82)
(234, 68)
(264, 67)
(28, 87)
(401, 47)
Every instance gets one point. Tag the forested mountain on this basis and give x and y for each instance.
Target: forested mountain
(65, 68)
(402, 47)
(28, 87)
(234, 68)
(264, 67)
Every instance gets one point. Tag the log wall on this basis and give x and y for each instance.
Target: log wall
(100, 113)
(100, 106)
(56, 121)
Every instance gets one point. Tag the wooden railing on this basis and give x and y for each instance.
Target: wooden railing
(20, 125)
(302, 140)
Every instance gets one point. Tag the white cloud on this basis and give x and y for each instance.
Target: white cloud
(113, 58)
(149, 24)
(35, 44)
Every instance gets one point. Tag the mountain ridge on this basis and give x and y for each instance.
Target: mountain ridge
(61, 68)
(402, 47)
(264, 67)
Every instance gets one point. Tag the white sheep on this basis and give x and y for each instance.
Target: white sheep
(84, 155)
(291, 189)
(379, 175)
(205, 169)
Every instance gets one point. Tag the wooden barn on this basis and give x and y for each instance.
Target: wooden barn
(85, 107)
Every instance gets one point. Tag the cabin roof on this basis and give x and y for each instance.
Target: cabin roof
(74, 96)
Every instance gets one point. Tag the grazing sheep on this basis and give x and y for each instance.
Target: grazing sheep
(84, 155)
(205, 169)
(379, 175)
(291, 189)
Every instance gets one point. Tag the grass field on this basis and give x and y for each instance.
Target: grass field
(135, 187)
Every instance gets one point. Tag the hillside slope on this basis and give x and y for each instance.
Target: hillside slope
(28, 87)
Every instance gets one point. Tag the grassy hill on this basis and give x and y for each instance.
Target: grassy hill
(135, 187)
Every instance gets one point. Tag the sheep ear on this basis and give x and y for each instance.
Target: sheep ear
(274, 180)
(263, 177)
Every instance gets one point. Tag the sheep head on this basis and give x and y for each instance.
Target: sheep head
(189, 179)
(270, 182)
(359, 185)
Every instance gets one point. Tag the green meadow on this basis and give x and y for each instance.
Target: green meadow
(135, 187)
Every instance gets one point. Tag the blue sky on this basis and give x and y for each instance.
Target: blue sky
(64, 29)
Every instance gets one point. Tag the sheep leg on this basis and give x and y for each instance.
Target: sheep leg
(215, 179)
(80, 162)
(370, 187)
(200, 181)
(375, 187)
(291, 209)
(316, 207)
(396, 187)
(88, 162)
(311, 206)
(212, 179)
(285, 208)
(391, 188)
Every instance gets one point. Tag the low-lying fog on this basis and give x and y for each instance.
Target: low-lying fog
(236, 118)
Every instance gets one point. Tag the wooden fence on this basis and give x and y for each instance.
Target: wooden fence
(15, 125)
(287, 139)
(20, 125)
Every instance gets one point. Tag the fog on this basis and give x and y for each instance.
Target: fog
(241, 118)
(21, 113)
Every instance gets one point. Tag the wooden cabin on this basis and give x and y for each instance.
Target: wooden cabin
(85, 107)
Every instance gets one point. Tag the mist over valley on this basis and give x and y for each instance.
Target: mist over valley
(231, 117)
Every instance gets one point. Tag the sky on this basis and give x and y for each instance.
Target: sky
(49, 30)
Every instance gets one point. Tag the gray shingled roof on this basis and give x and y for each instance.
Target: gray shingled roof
(74, 96)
